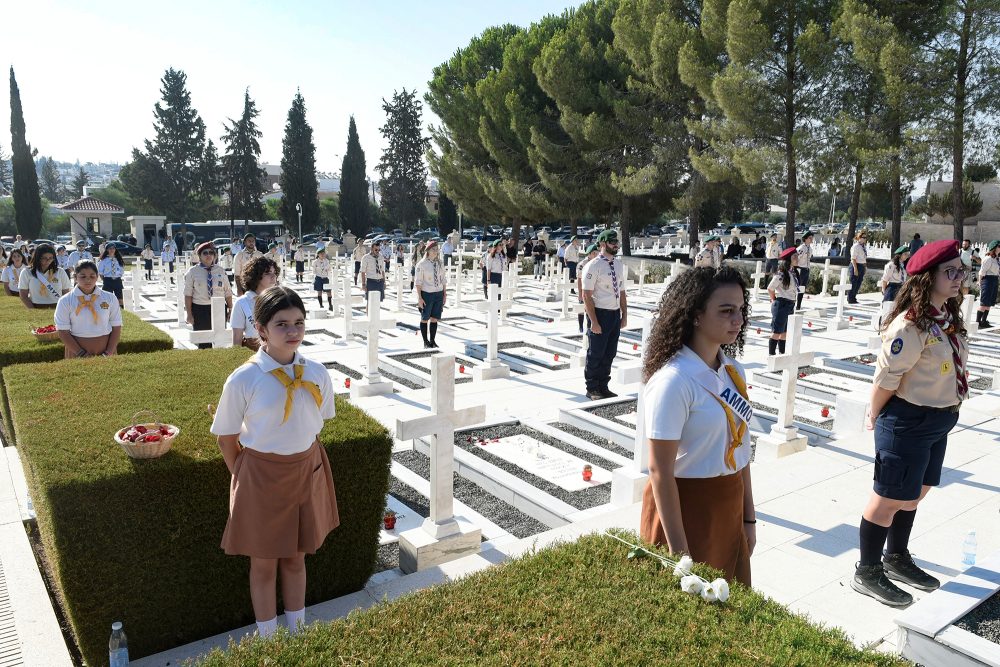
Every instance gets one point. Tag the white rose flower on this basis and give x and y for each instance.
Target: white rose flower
(684, 566)
(721, 588)
(708, 594)
(692, 584)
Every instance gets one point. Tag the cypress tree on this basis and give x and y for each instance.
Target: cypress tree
(447, 215)
(27, 200)
(240, 166)
(404, 175)
(298, 170)
(354, 206)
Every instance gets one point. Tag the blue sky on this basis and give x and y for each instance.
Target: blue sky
(89, 73)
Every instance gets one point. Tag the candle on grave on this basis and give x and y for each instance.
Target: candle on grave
(588, 472)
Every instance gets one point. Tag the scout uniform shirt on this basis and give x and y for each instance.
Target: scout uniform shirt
(605, 277)
(990, 267)
(321, 267)
(803, 256)
(110, 268)
(773, 250)
(11, 275)
(572, 253)
(495, 264)
(859, 255)
(88, 316)
(47, 288)
(918, 365)
(373, 267)
(242, 317)
(62, 260)
(77, 256)
(359, 252)
(780, 291)
(196, 283)
(429, 276)
(147, 253)
(707, 258)
(685, 400)
(169, 253)
(892, 274)
(242, 258)
(253, 404)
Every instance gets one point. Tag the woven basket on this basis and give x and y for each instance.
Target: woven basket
(147, 450)
(45, 337)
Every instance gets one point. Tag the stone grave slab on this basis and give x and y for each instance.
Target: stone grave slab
(417, 366)
(537, 458)
(533, 354)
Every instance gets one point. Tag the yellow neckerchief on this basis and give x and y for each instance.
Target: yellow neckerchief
(737, 427)
(291, 385)
(88, 303)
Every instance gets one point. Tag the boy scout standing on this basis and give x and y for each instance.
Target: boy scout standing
(604, 299)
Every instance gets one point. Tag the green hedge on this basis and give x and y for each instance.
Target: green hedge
(18, 345)
(138, 541)
(583, 603)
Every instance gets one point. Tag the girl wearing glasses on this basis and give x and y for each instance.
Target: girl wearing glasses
(201, 282)
(919, 385)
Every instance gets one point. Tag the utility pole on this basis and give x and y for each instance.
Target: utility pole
(298, 208)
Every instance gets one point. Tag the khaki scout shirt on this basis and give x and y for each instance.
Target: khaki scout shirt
(373, 267)
(196, 284)
(918, 365)
(705, 258)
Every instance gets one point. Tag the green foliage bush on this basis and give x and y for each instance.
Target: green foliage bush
(138, 541)
(18, 345)
(579, 603)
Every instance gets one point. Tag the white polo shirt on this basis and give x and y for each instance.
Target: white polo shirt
(253, 405)
(45, 292)
(858, 253)
(429, 276)
(11, 276)
(496, 263)
(373, 267)
(572, 253)
(804, 252)
(242, 316)
(598, 278)
(79, 321)
(681, 405)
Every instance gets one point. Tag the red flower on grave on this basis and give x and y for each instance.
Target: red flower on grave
(809, 324)
(556, 357)
(347, 382)
(802, 375)
(758, 329)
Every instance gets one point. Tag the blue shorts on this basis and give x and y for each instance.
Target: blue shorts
(319, 284)
(780, 310)
(988, 291)
(910, 442)
(376, 286)
(433, 305)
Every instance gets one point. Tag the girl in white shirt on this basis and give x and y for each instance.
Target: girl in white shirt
(430, 282)
(147, 261)
(258, 274)
(989, 277)
(12, 272)
(894, 273)
(42, 283)
(783, 289)
(112, 268)
(300, 264)
(89, 320)
(321, 277)
(699, 499)
(282, 502)
(859, 262)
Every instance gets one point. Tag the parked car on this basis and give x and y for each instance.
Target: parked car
(127, 249)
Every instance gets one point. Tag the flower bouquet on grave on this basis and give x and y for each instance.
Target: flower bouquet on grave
(147, 440)
(715, 591)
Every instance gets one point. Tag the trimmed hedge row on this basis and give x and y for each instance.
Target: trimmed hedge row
(138, 541)
(579, 603)
(18, 345)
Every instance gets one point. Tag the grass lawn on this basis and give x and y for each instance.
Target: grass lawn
(138, 541)
(582, 603)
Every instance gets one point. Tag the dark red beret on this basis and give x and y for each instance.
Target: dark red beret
(207, 245)
(787, 252)
(930, 255)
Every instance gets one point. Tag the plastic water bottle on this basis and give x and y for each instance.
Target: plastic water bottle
(969, 549)
(117, 646)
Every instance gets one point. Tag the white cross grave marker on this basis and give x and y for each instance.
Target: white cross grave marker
(838, 322)
(675, 271)
(566, 287)
(441, 538)
(628, 482)
(399, 287)
(218, 335)
(757, 276)
(491, 367)
(643, 273)
(826, 278)
(784, 439)
(344, 301)
(373, 384)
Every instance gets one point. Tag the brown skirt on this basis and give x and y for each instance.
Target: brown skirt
(280, 506)
(712, 512)
(93, 346)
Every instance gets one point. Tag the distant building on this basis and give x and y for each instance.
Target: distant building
(989, 192)
(272, 177)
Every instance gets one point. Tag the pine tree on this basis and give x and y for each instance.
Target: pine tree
(447, 215)
(80, 181)
(27, 200)
(240, 166)
(170, 175)
(298, 170)
(5, 179)
(354, 200)
(404, 176)
(52, 184)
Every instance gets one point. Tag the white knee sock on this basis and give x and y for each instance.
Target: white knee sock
(296, 620)
(267, 628)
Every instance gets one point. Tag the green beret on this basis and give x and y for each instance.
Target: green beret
(901, 249)
(572, 238)
(807, 235)
(992, 245)
(713, 237)
(592, 248)
(608, 236)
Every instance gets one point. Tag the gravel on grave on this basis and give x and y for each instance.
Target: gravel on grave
(406, 360)
(503, 347)
(349, 372)
(866, 359)
(511, 519)
(984, 620)
(409, 497)
(583, 499)
(593, 438)
(771, 411)
(387, 557)
(612, 410)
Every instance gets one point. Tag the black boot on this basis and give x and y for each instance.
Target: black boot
(781, 347)
(433, 329)
(319, 297)
(423, 333)
(772, 346)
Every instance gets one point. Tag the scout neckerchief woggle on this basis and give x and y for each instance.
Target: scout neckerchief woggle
(943, 320)
(737, 427)
(298, 383)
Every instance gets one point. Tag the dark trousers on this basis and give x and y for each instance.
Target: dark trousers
(602, 350)
(572, 270)
(803, 282)
(114, 285)
(856, 278)
(202, 315)
(357, 270)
